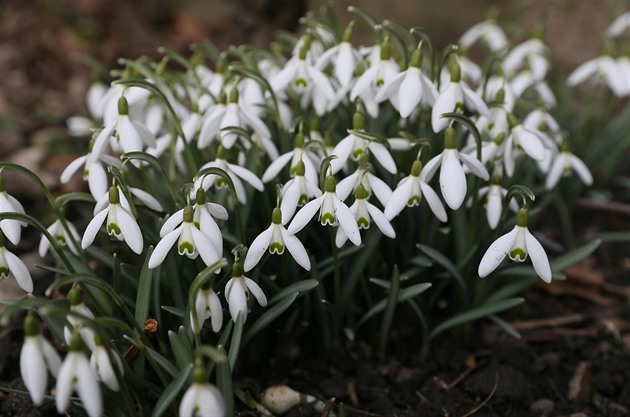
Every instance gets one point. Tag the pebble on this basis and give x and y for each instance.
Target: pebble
(542, 407)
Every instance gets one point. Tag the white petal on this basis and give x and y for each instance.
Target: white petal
(53, 361)
(390, 87)
(410, 92)
(188, 402)
(494, 209)
(435, 204)
(496, 253)
(216, 311)
(304, 215)
(72, 168)
(475, 166)
(237, 301)
(276, 166)
(474, 101)
(383, 156)
(33, 368)
(345, 64)
(64, 383)
(280, 81)
(347, 221)
(257, 249)
(146, 198)
(97, 180)
(88, 389)
(538, 256)
(581, 169)
(296, 249)
(172, 222)
(247, 176)
(381, 221)
(207, 250)
(531, 143)
(555, 172)
(163, 247)
(342, 151)
(363, 82)
(255, 289)
(429, 170)
(93, 227)
(452, 180)
(19, 271)
(130, 229)
(322, 84)
(400, 197)
(380, 189)
(445, 103)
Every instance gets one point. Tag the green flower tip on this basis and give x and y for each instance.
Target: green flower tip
(358, 121)
(330, 185)
(449, 138)
(114, 195)
(76, 343)
(386, 50)
(74, 296)
(416, 58)
(347, 34)
(298, 141)
(361, 193)
(454, 69)
(222, 97)
(188, 214)
(200, 196)
(234, 95)
(198, 375)
(522, 218)
(237, 269)
(500, 96)
(416, 167)
(97, 340)
(496, 180)
(123, 106)
(221, 152)
(31, 325)
(1, 182)
(512, 120)
(300, 168)
(500, 138)
(276, 216)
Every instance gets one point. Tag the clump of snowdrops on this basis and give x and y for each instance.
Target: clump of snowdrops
(240, 197)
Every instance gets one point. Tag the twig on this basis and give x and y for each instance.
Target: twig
(352, 393)
(484, 402)
(328, 408)
(549, 322)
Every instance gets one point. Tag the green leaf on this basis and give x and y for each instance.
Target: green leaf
(270, 315)
(404, 295)
(176, 311)
(299, 287)
(235, 342)
(182, 353)
(172, 391)
(475, 314)
(224, 383)
(390, 309)
(144, 290)
(507, 327)
(444, 262)
(576, 255)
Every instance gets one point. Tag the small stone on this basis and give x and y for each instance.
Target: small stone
(542, 407)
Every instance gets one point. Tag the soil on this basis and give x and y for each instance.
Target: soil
(573, 357)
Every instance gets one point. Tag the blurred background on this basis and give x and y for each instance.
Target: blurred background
(42, 81)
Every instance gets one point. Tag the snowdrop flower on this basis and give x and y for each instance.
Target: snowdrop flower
(128, 135)
(527, 80)
(374, 78)
(489, 32)
(76, 374)
(409, 193)
(94, 171)
(524, 139)
(371, 183)
(355, 146)
(12, 265)
(204, 214)
(603, 69)
(201, 399)
(102, 366)
(120, 223)
(9, 204)
(332, 211)
(619, 25)
(343, 57)
(297, 191)
(494, 194)
(364, 212)
(191, 241)
(80, 125)
(452, 175)
(61, 236)
(563, 164)
(298, 154)
(276, 239)
(237, 292)
(540, 121)
(409, 88)
(236, 174)
(517, 244)
(79, 311)
(531, 54)
(454, 97)
(207, 305)
(37, 357)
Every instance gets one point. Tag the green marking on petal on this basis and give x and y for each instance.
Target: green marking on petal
(197, 225)
(220, 183)
(518, 255)
(277, 248)
(303, 199)
(357, 153)
(186, 247)
(61, 239)
(113, 229)
(328, 218)
(413, 201)
(4, 272)
(363, 223)
(301, 82)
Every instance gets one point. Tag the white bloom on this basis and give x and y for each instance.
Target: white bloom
(103, 368)
(300, 153)
(297, 191)
(409, 193)
(563, 164)
(372, 183)
(521, 138)
(604, 69)
(236, 174)
(9, 204)
(76, 374)
(120, 223)
(204, 214)
(452, 176)
(409, 88)
(276, 238)
(202, 399)
(127, 134)
(526, 80)
(36, 358)
(12, 265)
(374, 78)
(619, 25)
(61, 236)
(531, 54)
(495, 194)
(453, 98)
(517, 244)
(332, 211)
(237, 292)
(364, 212)
(489, 32)
(191, 241)
(344, 58)
(207, 305)
(79, 311)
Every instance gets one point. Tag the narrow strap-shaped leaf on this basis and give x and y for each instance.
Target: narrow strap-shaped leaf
(299, 287)
(172, 391)
(404, 295)
(182, 353)
(445, 262)
(390, 309)
(143, 295)
(235, 342)
(270, 315)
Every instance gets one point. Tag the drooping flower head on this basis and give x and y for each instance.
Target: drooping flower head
(201, 399)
